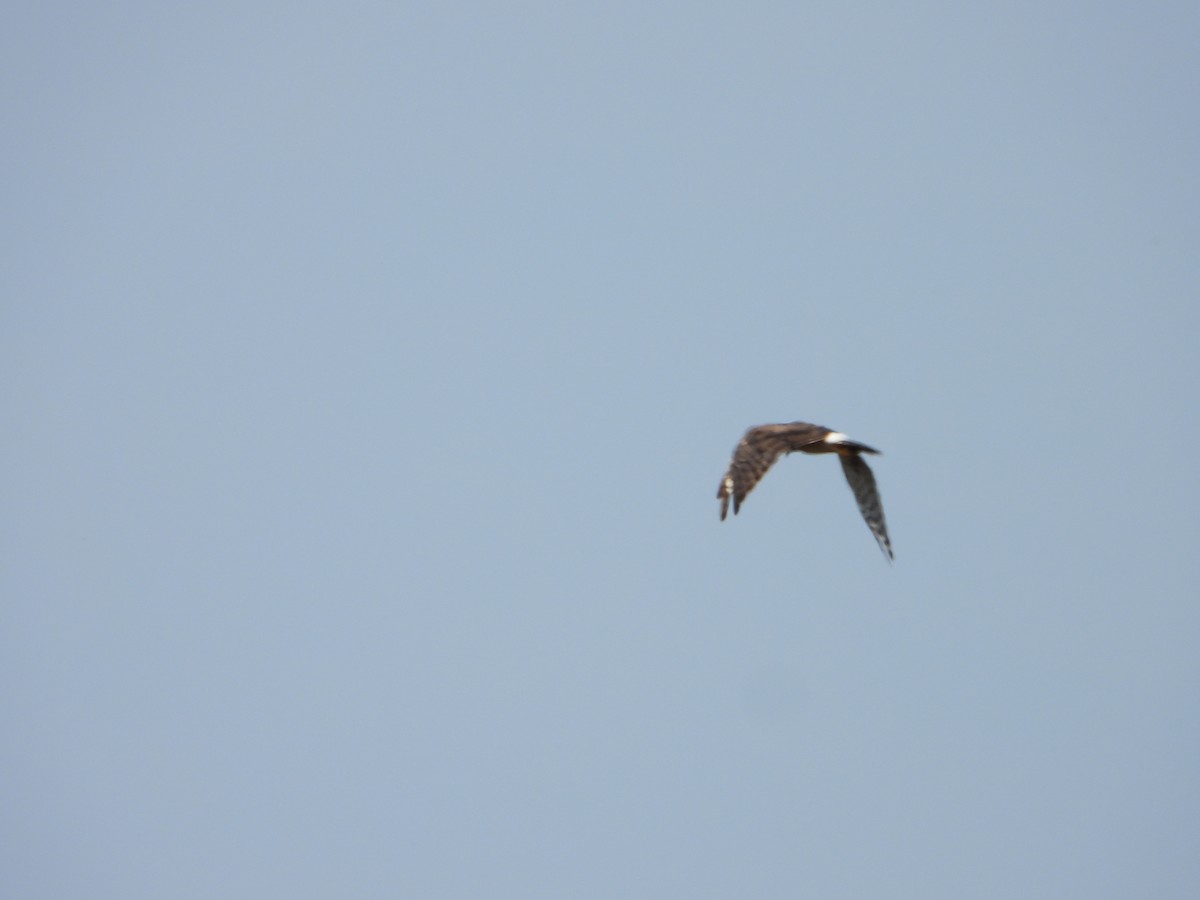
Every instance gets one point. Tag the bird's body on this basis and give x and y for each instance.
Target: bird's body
(761, 446)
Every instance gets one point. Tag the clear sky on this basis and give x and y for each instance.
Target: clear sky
(368, 371)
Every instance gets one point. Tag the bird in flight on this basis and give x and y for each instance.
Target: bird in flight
(762, 445)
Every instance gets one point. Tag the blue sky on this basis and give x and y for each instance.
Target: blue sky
(368, 375)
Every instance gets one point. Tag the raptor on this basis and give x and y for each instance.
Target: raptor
(763, 444)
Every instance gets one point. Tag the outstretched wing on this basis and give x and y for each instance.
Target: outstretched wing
(862, 482)
(757, 452)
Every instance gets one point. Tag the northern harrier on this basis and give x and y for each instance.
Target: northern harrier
(761, 446)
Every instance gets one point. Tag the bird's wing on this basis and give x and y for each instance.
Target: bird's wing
(862, 482)
(757, 452)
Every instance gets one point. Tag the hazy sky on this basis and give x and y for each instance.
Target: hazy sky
(368, 373)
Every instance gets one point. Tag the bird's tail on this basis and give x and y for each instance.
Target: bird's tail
(857, 447)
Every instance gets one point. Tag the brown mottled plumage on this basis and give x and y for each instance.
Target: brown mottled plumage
(761, 446)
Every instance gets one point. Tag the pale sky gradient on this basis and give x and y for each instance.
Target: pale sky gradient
(368, 373)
